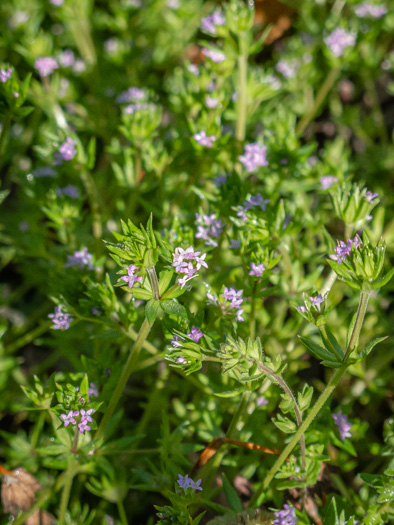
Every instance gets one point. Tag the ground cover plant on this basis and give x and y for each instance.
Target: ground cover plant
(196, 252)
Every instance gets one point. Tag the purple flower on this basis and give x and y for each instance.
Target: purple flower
(175, 342)
(327, 181)
(68, 150)
(316, 301)
(57, 2)
(193, 69)
(342, 251)
(301, 308)
(92, 391)
(208, 228)
(187, 262)
(212, 103)
(339, 39)
(241, 213)
(5, 74)
(371, 196)
(204, 140)
(212, 299)
(80, 258)
(85, 415)
(343, 424)
(83, 425)
(254, 156)
(131, 95)
(220, 180)
(67, 58)
(210, 22)
(181, 360)
(215, 55)
(195, 334)
(60, 320)
(130, 277)
(261, 401)
(45, 66)
(367, 9)
(288, 68)
(235, 243)
(185, 482)
(287, 516)
(256, 200)
(69, 418)
(356, 242)
(234, 296)
(256, 269)
(69, 191)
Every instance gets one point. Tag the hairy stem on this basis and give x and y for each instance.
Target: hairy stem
(69, 475)
(362, 307)
(154, 282)
(128, 368)
(282, 383)
(242, 97)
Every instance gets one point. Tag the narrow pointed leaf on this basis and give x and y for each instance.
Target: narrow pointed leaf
(172, 307)
(317, 350)
(151, 309)
(368, 349)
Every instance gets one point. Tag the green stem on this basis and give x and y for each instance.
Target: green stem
(74, 448)
(242, 97)
(69, 475)
(137, 167)
(362, 307)
(321, 95)
(128, 368)
(122, 513)
(28, 338)
(37, 429)
(256, 500)
(154, 282)
(332, 277)
(4, 131)
(298, 415)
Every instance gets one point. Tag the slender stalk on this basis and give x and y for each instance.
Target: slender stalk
(256, 500)
(70, 472)
(4, 131)
(258, 496)
(321, 95)
(154, 282)
(28, 338)
(137, 167)
(362, 308)
(37, 429)
(122, 513)
(74, 448)
(128, 368)
(242, 97)
(282, 383)
(332, 277)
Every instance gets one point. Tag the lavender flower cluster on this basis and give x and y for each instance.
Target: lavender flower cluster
(204, 140)
(81, 258)
(61, 320)
(367, 9)
(339, 40)
(287, 516)
(230, 300)
(85, 418)
(209, 228)
(188, 263)
(254, 156)
(5, 75)
(344, 249)
(210, 23)
(46, 66)
(185, 482)
(343, 424)
(67, 150)
(316, 302)
(131, 278)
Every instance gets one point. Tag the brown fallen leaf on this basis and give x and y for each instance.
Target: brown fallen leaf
(18, 492)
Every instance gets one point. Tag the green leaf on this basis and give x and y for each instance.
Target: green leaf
(141, 293)
(373, 480)
(84, 387)
(151, 309)
(164, 280)
(333, 341)
(384, 280)
(317, 350)
(368, 349)
(331, 364)
(172, 307)
(285, 424)
(231, 393)
(331, 517)
(231, 495)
